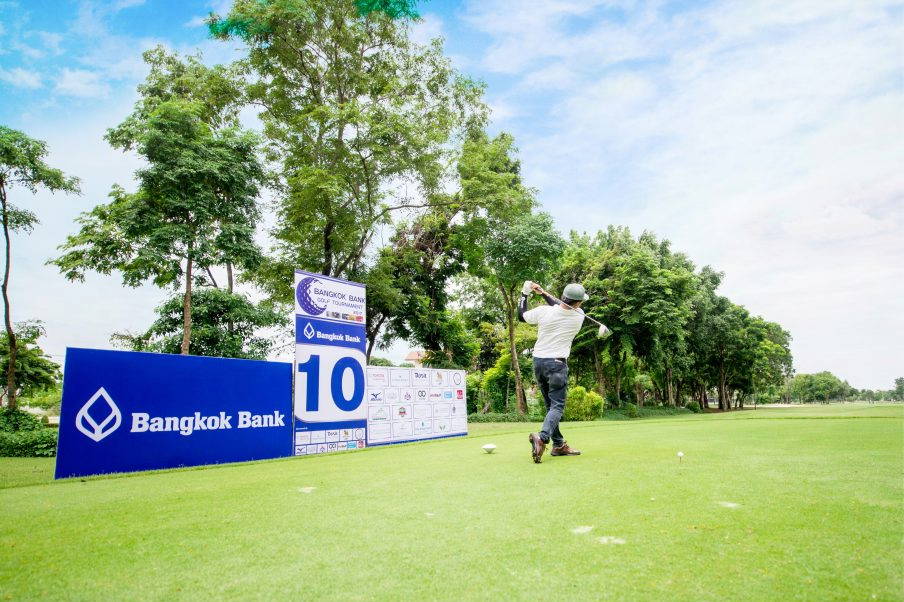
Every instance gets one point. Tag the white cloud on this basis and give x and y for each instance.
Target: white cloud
(428, 28)
(761, 137)
(218, 7)
(81, 83)
(195, 22)
(51, 41)
(20, 78)
(29, 52)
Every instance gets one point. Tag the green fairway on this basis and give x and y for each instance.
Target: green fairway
(798, 503)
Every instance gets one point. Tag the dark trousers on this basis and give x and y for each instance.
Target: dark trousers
(552, 378)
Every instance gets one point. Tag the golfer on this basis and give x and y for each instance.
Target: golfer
(558, 322)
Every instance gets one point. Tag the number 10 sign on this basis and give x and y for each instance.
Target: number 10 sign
(330, 384)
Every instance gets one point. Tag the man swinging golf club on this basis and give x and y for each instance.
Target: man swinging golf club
(558, 322)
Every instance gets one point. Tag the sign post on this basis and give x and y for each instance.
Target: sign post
(330, 358)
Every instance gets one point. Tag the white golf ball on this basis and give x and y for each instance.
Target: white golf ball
(680, 454)
(489, 448)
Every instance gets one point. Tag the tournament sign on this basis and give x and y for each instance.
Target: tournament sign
(330, 381)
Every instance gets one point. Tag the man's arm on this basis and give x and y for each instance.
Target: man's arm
(525, 291)
(522, 307)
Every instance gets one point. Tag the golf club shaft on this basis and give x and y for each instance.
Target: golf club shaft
(557, 300)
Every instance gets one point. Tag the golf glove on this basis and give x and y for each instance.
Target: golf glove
(527, 288)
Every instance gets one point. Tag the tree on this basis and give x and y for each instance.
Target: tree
(21, 165)
(899, 388)
(34, 370)
(652, 301)
(424, 257)
(449, 239)
(358, 116)
(700, 374)
(822, 386)
(524, 249)
(384, 297)
(195, 206)
(595, 262)
(772, 364)
(224, 324)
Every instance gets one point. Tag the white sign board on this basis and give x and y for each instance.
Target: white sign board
(412, 404)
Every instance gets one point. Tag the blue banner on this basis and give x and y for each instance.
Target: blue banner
(126, 411)
(314, 331)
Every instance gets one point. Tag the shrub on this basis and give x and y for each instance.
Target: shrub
(34, 443)
(472, 383)
(631, 411)
(693, 406)
(582, 404)
(645, 412)
(500, 417)
(12, 421)
(48, 399)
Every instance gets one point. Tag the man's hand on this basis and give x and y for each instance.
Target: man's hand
(537, 288)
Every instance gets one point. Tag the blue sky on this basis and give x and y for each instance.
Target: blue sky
(762, 137)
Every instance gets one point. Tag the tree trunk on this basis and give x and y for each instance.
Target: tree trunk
(327, 249)
(10, 334)
(372, 338)
(186, 306)
(670, 386)
(230, 326)
(724, 401)
(516, 365)
(618, 373)
(598, 372)
(638, 394)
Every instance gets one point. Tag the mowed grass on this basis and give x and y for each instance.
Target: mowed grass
(799, 503)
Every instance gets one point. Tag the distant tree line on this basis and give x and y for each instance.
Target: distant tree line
(825, 387)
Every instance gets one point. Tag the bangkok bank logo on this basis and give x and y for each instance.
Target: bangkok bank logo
(308, 331)
(303, 295)
(88, 426)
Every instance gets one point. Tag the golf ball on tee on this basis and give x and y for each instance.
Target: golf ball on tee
(680, 454)
(489, 448)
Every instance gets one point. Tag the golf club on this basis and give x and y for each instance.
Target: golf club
(603, 331)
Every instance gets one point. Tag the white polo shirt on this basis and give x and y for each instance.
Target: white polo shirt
(557, 329)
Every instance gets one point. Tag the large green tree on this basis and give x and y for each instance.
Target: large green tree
(425, 257)
(22, 167)
(225, 324)
(195, 206)
(358, 118)
(526, 248)
(35, 371)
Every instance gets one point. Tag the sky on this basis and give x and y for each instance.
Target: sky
(762, 137)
